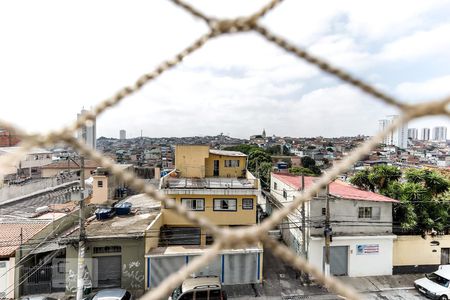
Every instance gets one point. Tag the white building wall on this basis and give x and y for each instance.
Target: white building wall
(7, 273)
(425, 136)
(358, 265)
(398, 137)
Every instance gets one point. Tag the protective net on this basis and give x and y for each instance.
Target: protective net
(224, 237)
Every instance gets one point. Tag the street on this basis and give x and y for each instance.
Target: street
(283, 282)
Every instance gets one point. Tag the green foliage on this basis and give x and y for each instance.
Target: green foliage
(300, 171)
(436, 183)
(380, 176)
(310, 163)
(424, 195)
(257, 157)
(263, 171)
(361, 179)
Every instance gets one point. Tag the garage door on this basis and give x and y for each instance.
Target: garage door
(109, 271)
(338, 260)
(240, 268)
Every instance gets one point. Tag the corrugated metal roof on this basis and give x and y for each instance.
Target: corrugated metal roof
(226, 153)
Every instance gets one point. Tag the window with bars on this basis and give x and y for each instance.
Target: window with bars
(193, 204)
(247, 203)
(225, 204)
(372, 213)
(107, 249)
(231, 163)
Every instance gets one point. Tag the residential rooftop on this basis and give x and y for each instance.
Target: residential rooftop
(31, 151)
(337, 188)
(128, 226)
(210, 182)
(11, 232)
(227, 153)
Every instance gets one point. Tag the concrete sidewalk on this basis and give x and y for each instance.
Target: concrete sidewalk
(290, 288)
(381, 283)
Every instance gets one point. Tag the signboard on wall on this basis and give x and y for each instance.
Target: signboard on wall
(367, 249)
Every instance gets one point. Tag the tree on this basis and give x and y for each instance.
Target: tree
(436, 183)
(300, 171)
(257, 156)
(310, 163)
(382, 175)
(264, 170)
(424, 201)
(361, 179)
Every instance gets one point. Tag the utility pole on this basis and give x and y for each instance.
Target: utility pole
(81, 245)
(327, 233)
(304, 236)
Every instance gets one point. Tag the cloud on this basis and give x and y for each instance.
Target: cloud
(432, 89)
(57, 57)
(422, 43)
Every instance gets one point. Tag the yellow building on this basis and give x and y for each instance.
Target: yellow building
(417, 254)
(215, 184)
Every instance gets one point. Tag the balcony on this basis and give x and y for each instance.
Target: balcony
(210, 186)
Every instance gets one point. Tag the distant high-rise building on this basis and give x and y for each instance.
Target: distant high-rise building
(425, 134)
(440, 133)
(413, 133)
(398, 137)
(88, 133)
(123, 135)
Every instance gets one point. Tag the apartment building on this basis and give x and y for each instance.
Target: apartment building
(361, 222)
(440, 133)
(215, 185)
(399, 137)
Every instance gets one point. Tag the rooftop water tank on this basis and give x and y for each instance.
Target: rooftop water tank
(123, 208)
(104, 213)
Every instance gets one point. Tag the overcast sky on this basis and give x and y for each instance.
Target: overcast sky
(58, 56)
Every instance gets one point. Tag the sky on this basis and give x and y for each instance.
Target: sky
(57, 57)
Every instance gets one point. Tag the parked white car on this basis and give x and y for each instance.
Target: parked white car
(435, 285)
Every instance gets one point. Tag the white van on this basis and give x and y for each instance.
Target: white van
(435, 285)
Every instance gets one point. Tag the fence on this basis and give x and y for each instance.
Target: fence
(224, 237)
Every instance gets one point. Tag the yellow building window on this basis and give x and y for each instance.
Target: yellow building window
(193, 203)
(225, 204)
(247, 203)
(231, 163)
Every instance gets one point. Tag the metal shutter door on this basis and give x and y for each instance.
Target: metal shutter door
(339, 260)
(109, 271)
(240, 268)
(162, 267)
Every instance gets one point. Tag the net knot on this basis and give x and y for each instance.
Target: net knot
(233, 25)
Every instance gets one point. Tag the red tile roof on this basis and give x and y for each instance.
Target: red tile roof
(10, 234)
(337, 188)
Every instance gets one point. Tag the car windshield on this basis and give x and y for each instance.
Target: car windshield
(176, 293)
(438, 279)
